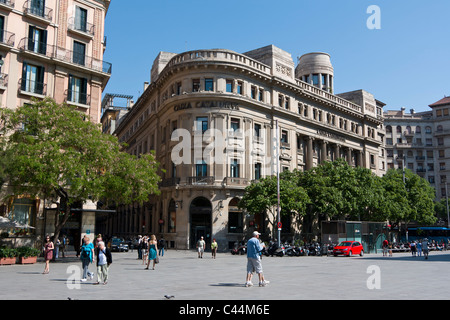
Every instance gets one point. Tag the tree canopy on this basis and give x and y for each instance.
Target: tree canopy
(337, 191)
(48, 150)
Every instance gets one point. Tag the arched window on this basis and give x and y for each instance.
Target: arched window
(399, 129)
(388, 129)
(418, 129)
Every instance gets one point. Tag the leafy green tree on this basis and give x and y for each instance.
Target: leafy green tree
(409, 200)
(262, 196)
(51, 151)
(339, 191)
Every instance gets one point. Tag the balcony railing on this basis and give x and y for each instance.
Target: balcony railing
(86, 27)
(55, 52)
(38, 10)
(7, 37)
(8, 3)
(200, 180)
(169, 182)
(41, 48)
(232, 181)
(77, 97)
(33, 86)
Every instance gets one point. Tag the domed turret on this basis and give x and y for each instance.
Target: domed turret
(315, 68)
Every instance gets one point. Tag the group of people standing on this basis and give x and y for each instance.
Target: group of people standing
(148, 250)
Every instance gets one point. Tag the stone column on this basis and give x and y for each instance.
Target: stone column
(309, 152)
(323, 153)
(349, 156)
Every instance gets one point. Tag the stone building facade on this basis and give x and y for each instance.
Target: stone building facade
(217, 120)
(420, 141)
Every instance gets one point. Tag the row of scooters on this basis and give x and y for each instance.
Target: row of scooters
(285, 249)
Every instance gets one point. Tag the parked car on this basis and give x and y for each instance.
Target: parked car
(118, 244)
(348, 248)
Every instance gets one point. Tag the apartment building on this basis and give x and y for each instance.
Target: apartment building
(420, 141)
(264, 114)
(52, 48)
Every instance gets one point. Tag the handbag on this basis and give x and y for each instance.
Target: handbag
(156, 259)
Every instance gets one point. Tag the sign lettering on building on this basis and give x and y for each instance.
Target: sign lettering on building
(207, 104)
(330, 135)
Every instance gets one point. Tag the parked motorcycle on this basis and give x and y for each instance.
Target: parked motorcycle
(239, 249)
(275, 250)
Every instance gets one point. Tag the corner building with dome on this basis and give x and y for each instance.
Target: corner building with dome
(246, 110)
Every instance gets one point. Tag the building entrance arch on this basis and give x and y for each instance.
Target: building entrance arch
(200, 218)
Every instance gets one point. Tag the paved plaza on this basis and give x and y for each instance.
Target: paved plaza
(186, 277)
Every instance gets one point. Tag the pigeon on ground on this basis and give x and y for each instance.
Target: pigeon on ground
(169, 297)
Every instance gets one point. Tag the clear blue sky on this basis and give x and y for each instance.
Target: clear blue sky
(406, 63)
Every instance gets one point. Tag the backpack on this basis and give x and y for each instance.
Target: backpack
(85, 252)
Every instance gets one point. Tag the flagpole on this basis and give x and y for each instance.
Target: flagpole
(278, 183)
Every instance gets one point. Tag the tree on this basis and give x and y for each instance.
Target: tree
(409, 200)
(262, 196)
(53, 152)
(339, 191)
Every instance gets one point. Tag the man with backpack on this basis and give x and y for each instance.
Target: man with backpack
(87, 256)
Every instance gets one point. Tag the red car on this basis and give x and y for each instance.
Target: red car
(348, 248)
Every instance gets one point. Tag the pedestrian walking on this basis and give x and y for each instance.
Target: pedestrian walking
(413, 248)
(419, 248)
(87, 256)
(254, 261)
(161, 245)
(140, 240)
(104, 260)
(48, 253)
(214, 247)
(64, 243)
(385, 247)
(144, 250)
(425, 248)
(152, 250)
(201, 247)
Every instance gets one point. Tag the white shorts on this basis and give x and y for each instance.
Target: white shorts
(200, 250)
(254, 265)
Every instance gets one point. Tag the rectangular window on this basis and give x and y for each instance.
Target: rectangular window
(257, 171)
(261, 95)
(257, 130)
(79, 53)
(240, 87)
(253, 92)
(202, 124)
(77, 91)
(234, 168)
(284, 136)
(201, 169)
(235, 221)
(315, 79)
(80, 19)
(32, 79)
(209, 84)
(37, 7)
(235, 123)
(37, 40)
(229, 86)
(195, 85)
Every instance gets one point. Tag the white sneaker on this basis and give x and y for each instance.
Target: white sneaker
(83, 280)
(91, 276)
(263, 283)
(248, 284)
